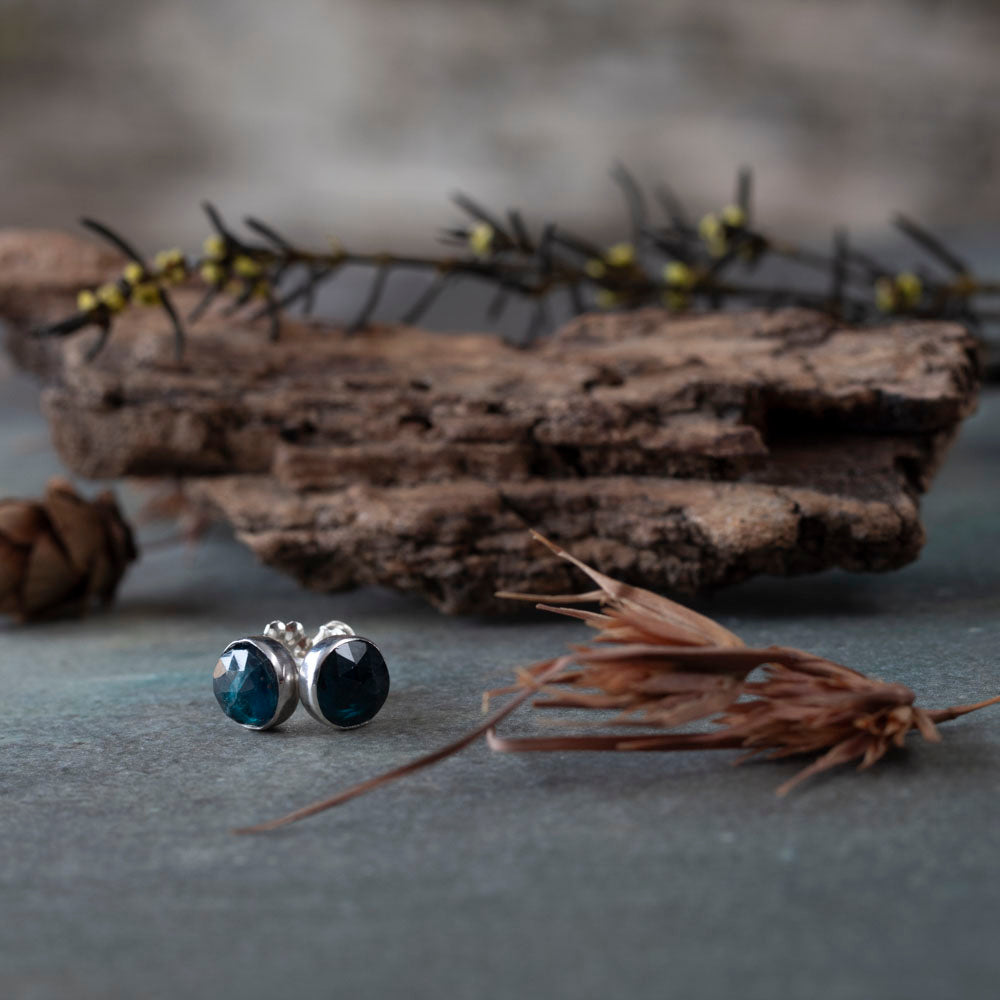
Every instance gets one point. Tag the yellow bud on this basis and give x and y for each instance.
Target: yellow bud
(910, 289)
(595, 268)
(620, 255)
(110, 295)
(235, 287)
(734, 216)
(607, 299)
(146, 294)
(165, 259)
(481, 239)
(261, 290)
(212, 274)
(86, 301)
(170, 266)
(133, 273)
(214, 247)
(709, 227)
(713, 233)
(246, 267)
(678, 275)
(885, 295)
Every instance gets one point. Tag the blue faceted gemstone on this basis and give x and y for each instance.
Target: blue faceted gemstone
(246, 686)
(352, 683)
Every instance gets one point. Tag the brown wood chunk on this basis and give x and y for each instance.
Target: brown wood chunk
(679, 453)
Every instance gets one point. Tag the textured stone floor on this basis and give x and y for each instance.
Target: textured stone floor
(488, 876)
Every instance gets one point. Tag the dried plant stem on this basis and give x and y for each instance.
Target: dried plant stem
(947, 714)
(669, 262)
(552, 668)
(671, 741)
(659, 665)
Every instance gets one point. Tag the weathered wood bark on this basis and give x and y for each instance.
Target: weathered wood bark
(679, 453)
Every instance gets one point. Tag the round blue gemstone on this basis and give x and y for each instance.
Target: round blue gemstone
(352, 683)
(246, 686)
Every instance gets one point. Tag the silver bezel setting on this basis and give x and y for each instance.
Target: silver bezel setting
(285, 670)
(309, 673)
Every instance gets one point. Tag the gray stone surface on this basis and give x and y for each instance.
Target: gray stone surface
(488, 876)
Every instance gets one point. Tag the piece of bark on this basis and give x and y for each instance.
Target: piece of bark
(677, 452)
(683, 396)
(458, 542)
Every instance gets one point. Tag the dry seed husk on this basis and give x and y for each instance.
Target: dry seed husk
(658, 665)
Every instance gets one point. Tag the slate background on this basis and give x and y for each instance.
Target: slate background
(488, 876)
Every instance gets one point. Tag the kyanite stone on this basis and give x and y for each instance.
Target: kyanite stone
(352, 683)
(246, 685)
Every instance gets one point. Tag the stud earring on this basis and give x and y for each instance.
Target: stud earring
(343, 679)
(340, 677)
(256, 678)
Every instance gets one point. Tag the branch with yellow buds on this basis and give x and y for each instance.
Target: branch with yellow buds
(674, 263)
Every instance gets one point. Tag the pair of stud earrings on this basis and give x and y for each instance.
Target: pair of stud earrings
(340, 677)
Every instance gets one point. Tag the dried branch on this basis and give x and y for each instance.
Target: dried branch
(656, 665)
(674, 263)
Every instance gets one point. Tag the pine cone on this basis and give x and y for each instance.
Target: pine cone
(59, 553)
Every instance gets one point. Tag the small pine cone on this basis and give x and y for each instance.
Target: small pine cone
(60, 553)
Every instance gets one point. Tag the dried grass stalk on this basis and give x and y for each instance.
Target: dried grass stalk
(657, 665)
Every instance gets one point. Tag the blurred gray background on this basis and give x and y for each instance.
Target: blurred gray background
(358, 117)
